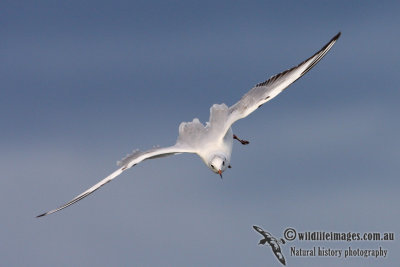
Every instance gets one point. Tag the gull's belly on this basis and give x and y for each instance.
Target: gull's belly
(221, 147)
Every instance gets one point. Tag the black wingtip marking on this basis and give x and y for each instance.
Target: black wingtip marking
(336, 36)
(41, 215)
(321, 55)
(277, 76)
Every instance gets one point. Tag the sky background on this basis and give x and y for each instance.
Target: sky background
(83, 83)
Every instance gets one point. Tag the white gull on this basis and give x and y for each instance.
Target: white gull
(213, 142)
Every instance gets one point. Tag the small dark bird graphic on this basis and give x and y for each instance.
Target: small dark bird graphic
(273, 242)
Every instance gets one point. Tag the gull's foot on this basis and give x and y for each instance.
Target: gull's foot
(243, 142)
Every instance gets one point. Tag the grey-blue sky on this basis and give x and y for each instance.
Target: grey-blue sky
(84, 83)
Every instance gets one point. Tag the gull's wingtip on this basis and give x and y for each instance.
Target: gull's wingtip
(46, 213)
(336, 36)
(41, 215)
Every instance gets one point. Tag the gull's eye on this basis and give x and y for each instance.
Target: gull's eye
(212, 166)
(223, 163)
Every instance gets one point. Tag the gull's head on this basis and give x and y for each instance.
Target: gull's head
(218, 164)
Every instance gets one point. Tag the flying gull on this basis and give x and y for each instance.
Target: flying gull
(213, 142)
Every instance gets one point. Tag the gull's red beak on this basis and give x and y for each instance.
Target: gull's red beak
(220, 173)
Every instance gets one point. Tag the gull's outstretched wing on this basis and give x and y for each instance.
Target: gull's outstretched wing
(126, 163)
(265, 91)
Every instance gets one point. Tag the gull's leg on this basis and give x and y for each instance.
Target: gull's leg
(244, 142)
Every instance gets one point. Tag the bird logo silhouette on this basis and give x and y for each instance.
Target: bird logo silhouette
(273, 242)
